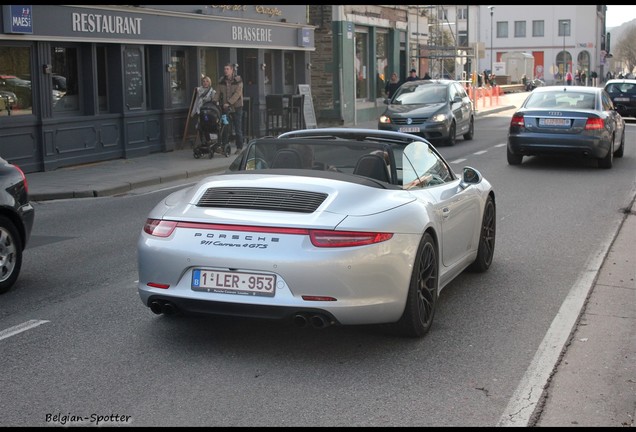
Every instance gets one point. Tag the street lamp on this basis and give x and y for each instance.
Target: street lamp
(564, 64)
(492, 8)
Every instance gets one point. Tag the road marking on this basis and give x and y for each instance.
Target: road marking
(12, 331)
(500, 145)
(528, 394)
(458, 160)
(481, 152)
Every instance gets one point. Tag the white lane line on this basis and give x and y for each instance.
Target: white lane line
(12, 331)
(481, 152)
(458, 161)
(500, 145)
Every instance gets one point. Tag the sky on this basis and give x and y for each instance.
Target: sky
(617, 15)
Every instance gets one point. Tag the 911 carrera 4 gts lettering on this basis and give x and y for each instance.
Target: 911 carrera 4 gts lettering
(245, 245)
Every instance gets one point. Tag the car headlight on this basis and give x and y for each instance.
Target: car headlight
(384, 119)
(439, 118)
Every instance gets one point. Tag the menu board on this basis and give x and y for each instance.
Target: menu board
(308, 108)
(133, 78)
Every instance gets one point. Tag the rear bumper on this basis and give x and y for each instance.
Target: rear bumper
(586, 146)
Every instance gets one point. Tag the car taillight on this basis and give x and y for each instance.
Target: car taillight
(159, 228)
(24, 180)
(594, 124)
(517, 120)
(321, 238)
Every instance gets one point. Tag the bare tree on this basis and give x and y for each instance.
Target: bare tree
(625, 51)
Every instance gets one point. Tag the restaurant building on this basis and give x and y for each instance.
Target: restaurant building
(94, 83)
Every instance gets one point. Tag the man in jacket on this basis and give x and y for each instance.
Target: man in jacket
(229, 94)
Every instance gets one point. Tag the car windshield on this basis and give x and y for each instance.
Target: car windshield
(421, 94)
(561, 99)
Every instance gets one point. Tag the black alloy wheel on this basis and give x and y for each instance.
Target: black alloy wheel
(452, 139)
(486, 249)
(421, 300)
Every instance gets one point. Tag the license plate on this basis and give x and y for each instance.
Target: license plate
(554, 122)
(407, 129)
(621, 99)
(224, 282)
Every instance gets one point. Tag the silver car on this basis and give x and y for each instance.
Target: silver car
(438, 110)
(320, 227)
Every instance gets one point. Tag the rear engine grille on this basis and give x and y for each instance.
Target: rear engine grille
(262, 199)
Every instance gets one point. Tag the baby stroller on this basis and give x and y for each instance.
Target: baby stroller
(213, 133)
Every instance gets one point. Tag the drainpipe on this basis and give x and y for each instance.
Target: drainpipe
(338, 15)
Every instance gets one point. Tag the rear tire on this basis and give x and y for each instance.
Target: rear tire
(421, 299)
(513, 159)
(10, 254)
(486, 249)
(607, 161)
(619, 153)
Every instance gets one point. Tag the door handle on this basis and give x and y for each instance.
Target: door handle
(445, 212)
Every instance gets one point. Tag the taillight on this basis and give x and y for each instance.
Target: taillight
(594, 124)
(159, 228)
(320, 238)
(517, 120)
(24, 180)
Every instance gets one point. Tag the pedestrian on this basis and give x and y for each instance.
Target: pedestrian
(577, 77)
(229, 94)
(486, 80)
(412, 75)
(392, 85)
(204, 94)
(568, 78)
(583, 78)
(427, 76)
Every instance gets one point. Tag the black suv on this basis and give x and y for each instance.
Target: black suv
(16, 221)
(623, 95)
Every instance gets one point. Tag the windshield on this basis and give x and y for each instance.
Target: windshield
(421, 94)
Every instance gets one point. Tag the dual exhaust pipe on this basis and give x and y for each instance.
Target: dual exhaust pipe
(163, 307)
(318, 321)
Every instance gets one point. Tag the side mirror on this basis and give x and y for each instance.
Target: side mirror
(470, 176)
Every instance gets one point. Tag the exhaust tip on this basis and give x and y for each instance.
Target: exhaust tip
(319, 321)
(155, 307)
(300, 320)
(169, 308)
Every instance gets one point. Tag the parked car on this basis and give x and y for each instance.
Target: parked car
(16, 221)
(320, 227)
(567, 120)
(438, 110)
(534, 83)
(623, 95)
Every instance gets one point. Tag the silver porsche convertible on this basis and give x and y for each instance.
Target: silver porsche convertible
(320, 227)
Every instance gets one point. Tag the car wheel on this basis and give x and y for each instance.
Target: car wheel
(513, 159)
(451, 135)
(471, 130)
(10, 254)
(607, 161)
(421, 299)
(621, 148)
(486, 249)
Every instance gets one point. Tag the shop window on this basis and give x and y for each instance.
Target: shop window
(361, 65)
(290, 81)
(381, 55)
(16, 97)
(102, 80)
(178, 78)
(65, 79)
(269, 63)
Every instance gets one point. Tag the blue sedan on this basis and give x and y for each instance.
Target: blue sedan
(567, 120)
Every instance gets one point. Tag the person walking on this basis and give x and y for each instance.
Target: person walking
(229, 94)
(583, 78)
(412, 75)
(392, 85)
(204, 94)
(568, 78)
